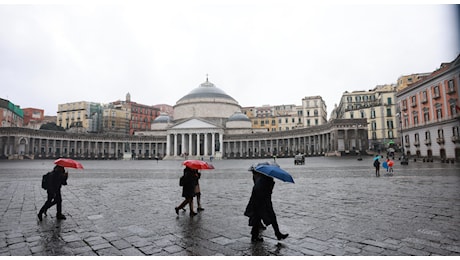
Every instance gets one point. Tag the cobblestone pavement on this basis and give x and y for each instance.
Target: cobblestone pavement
(336, 207)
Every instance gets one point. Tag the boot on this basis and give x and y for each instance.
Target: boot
(281, 236)
(60, 216)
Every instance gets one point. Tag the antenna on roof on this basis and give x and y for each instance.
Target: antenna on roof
(207, 77)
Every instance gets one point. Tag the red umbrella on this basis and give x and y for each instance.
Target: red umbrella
(198, 165)
(66, 162)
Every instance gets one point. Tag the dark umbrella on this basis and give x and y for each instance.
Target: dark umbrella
(198, 165)
(69, 163)
(275, 172)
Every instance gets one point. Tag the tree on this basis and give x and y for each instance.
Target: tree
(52, 126)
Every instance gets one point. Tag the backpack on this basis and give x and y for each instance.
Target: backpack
(46, 179)
(376, 163)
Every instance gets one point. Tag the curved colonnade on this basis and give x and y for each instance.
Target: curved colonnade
(335, 138)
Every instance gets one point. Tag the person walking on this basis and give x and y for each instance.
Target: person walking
(377, 167)
(198, 190)
(260, 207)
(57, 178)
(188, 190)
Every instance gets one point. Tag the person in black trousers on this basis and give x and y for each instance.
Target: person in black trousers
(57, 178)
(260, 207)
(188, 190)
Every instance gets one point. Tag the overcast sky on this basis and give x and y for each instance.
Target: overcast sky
(258, 52)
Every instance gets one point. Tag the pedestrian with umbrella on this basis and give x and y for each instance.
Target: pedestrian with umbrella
(188, 182)
(53, 183)
(260, 206)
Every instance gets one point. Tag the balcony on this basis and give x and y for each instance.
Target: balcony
(424, 101)
(450, 90)
(440, 140)
(428, 142)
(407, 144)
(456, 139)
(417, 143)
(404, 108)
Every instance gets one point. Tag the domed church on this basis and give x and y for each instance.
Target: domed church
(201, 119)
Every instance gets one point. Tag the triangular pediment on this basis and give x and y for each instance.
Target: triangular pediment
(193, 123)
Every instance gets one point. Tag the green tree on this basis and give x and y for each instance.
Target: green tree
(52, 126)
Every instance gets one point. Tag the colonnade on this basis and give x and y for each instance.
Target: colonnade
(32, 144)
(334, 138)
(194, 143)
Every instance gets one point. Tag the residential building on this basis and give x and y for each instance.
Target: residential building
(430, 114)
(407, 80)
(379, 107)
(141, 116)
(115, 119)
(33, 117)
(82, 116)
(314, 111)
(11, 115)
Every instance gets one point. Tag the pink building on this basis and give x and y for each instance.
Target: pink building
(430, 114)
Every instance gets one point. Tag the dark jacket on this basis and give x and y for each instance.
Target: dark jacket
(57, 179)
(190, 181)
(260, 204)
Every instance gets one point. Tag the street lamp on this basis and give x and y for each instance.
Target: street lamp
(404, 160)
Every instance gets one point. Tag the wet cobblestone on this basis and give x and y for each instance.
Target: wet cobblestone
(336, 207)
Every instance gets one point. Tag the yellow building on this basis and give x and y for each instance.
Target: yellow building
(406, 80)
(116, 119)
(378, 106)
(80, 116)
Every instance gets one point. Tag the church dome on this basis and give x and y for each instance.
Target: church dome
(206, 101)
(206, 90)
(163, 118)
(239, 116)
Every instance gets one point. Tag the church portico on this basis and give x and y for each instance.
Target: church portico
(194, 143)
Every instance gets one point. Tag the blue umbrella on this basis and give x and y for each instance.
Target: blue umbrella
(253, 167)
(275, 172)
(385, 165)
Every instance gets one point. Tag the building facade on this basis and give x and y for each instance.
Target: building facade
(141, 116)
(33, 117)
(80, 117)
(378, 106)
(430, 114)
(11, 115)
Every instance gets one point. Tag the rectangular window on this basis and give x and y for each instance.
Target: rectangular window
(426, 116)
(390, 134)
(390, 124)
(388, 111)
(389, 101)
(424, 97)
(372, 113)
(438, 113)
(450, 86)
(415, 119)
(436, 93)
(414, 101)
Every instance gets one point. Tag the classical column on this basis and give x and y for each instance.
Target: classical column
(213, 144)
(205, 144)
(168, 148)
(190, 144)
(182, 145)
(198, 152)
(221, 142)
(175, 144)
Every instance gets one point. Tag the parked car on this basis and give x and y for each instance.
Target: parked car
(299, 159)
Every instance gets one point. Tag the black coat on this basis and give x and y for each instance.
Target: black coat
(260, 205)
(57, 179)
(190, 181)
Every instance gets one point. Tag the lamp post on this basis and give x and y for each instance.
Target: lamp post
(404, 160)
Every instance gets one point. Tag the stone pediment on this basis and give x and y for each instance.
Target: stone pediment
(193, 123)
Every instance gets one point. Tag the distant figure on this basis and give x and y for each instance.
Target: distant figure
(188, 190)
(260, 207)
(377, 167)
(58, 178)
